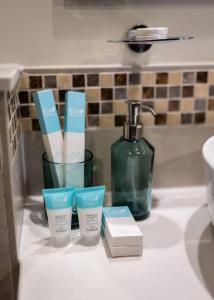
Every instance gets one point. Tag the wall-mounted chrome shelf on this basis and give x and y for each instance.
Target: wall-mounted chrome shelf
(144, 43)
(152, 41)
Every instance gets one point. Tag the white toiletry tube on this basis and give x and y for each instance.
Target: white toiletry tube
(59, 203)
(89, 203)
(74, 142)
(51, 132)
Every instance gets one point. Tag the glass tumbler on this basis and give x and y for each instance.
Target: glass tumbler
(59, 175)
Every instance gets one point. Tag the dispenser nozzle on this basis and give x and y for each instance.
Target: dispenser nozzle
(133, 128)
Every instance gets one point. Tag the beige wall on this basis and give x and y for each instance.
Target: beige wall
(44, 32)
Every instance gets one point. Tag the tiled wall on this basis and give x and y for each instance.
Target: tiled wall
(179, 96)
(14, 120)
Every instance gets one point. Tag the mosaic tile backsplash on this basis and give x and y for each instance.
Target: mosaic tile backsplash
(178, 96)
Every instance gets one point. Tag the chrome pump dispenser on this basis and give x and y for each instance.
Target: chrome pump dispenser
(132, 158)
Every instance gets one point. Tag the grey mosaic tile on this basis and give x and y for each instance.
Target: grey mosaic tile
(50, 82)
(92, 80)
(174, 105)
(134, 78)
(188, 77)
(107, 108)
(93, 121)
(161, 92)
(120, 93)
(174, 91)
(211, 90)
(186, 118)
(200, 104)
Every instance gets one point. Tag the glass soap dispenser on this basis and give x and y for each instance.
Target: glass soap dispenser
(132, 158)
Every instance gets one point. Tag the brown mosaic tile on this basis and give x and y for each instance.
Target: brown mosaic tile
(148, 78)
(211, 77)
(107, 121)
(174, 91)
(120, 79)
(186, 118)
(148, 92)
(210, 117)
(161, 105)
(175, 78)
(174, 105)
(173, 119)
(93, 94)
(135, 92)
(134, 78)
(62, 122)
(211, 90)
(147, 119)
(93, 121)
(202, 77)
(107, 108)
(188, 91)
(160, 119)
(33, 112)
(35, 82)
(162, 78)
(186, 105)
(201, 90)
(119, 120)
(24, 81)
(78, 80)
(188, 77)
(23, 97)
(93, 108)
(200, 104)
(50, 82)
(92, 80)
(35, 125)
(120, 107)
(106, 94)
(211, 104)
(64, 81)
(161, 92)
(120, 93)
(199, 117)
(106, 79)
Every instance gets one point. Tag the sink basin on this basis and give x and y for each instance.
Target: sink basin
(208, 156)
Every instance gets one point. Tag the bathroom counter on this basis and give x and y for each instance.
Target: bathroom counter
(177, 261)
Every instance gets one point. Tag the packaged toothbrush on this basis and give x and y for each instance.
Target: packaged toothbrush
(74, 139)
(51, 132)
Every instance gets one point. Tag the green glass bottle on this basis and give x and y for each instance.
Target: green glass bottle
(132, 158)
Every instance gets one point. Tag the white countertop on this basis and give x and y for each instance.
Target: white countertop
(177, 261)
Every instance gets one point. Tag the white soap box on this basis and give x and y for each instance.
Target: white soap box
(121, 232)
